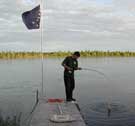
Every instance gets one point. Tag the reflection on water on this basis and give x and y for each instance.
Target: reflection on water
(19, 80)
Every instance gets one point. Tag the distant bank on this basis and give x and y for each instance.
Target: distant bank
(32, 55)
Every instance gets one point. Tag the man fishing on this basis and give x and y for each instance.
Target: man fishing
(70, 64)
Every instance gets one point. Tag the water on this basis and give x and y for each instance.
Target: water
(19, 80)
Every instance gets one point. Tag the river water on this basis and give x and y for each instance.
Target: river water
(104, 100)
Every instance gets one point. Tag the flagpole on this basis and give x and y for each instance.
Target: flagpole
(42, 58)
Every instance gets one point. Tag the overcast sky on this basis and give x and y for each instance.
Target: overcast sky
(70, 25)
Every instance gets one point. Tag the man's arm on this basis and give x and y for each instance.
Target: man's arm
(67, 67)
(77, 68)
(64, 64)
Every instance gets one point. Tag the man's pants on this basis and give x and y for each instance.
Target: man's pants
(69, 86)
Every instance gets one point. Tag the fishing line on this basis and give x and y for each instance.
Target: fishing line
(99, 72)
(108, 104)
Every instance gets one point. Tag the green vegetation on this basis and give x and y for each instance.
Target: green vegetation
(31, 55)
(14, 121)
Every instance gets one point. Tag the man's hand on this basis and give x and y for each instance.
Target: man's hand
(79, 68)
(69, 68)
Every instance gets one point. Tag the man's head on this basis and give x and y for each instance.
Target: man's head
(76, 55)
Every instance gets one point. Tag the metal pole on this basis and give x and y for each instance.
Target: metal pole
(42, 58)
(37, 97)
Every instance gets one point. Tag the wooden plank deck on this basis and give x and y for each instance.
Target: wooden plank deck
(44, 110)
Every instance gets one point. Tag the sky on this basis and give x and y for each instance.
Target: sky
(69, 25)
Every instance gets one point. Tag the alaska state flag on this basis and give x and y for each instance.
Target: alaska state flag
(32, 18)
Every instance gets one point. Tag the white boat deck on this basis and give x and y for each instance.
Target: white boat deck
(45, 110)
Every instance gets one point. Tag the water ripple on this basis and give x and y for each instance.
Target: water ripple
(98, 114)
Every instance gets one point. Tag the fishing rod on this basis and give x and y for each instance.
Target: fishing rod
(99, 72)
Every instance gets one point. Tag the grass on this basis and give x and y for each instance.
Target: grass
(10, 121)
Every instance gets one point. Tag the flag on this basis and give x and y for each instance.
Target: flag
(32, 18)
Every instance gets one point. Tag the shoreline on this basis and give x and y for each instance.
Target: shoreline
(60, 54)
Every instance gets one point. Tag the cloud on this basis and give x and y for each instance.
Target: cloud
(86, 21)
(67, 22)
(124, 4)
(27, 2)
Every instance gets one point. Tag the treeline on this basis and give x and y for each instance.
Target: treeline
(27, 55)
(31, 55)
